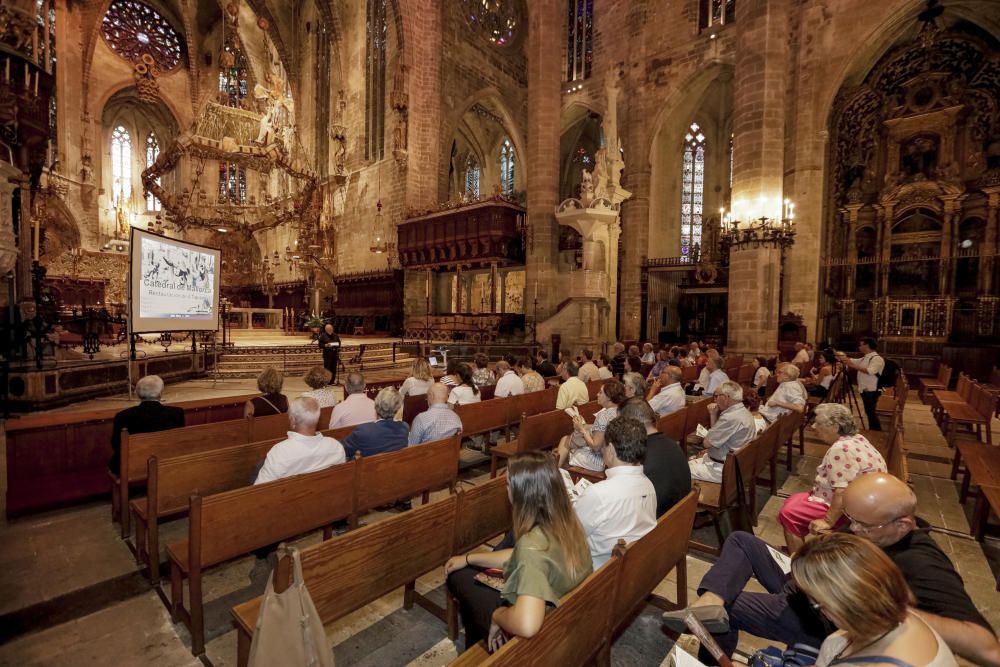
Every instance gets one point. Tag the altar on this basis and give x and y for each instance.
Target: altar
(242, 318)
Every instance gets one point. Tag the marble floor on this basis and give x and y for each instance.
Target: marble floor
(70, 593)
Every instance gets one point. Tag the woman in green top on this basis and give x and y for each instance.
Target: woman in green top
(550, 557)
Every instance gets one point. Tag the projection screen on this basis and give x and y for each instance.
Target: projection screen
(173, 285)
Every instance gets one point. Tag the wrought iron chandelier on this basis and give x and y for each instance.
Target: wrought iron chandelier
(758, 231)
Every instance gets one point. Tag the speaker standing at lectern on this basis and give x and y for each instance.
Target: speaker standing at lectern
(329, 342)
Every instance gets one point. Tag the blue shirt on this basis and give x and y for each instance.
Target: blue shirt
(378, 437)
(437, 422)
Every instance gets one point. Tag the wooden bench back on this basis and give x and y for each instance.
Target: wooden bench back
(352, 570)
(233, 523)
(944, 374)
(745, 374)
(137, 449)
(689, 374)
(672, 425)
(766, 446)
(651, 558)
(983, 401)
(697, 413)
(543, 431)
(594, 386)
(964, 387)
(896, 462)
(588, 411)
(386, 478)
(412, 406)
(575, 631)
(786, 428)
(531, 404)
(272, 426)
(482, 417)
(483, 512)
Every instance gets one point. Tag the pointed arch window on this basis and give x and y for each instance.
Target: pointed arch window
(507, 167)
(579, 39)
(121, 165)
(234, 73)
(375, 80)
(472, 173)
(714, 14)
(152, 152)
(692, 190)
(232, 183)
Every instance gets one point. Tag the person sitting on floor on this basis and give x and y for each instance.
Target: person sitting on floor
(850, 455)
(467, 391)
(790, 395)
(420, 379)
(304, 450)
(732, 428)
(622, 506)
(670, 398)
(665, 464)
(532, 380)
(482, 375)
(318, 381)
(385, 434)
(881, 509)
(272, 402)
(508, 382)
(149, 416)
(584, 447)
(356, 408)
(572, 391)
(859, 589)
(438, 421)
(549, 559)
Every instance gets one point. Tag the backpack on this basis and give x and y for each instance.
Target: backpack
(772, 656)
(890, 373)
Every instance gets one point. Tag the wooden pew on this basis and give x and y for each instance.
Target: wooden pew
(483, 417)
(731, 493)
(539, 431)
(940, 382)
(356, 568)
(528, 404)
(230, 524)
(982, 468)
(594, 386)
(786, 426)
(673, 425)
(697, 413)
(993, 386)
(412, 406)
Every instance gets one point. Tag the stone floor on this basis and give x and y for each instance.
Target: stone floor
(70, 594)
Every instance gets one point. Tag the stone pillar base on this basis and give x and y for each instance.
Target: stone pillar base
(754, 301)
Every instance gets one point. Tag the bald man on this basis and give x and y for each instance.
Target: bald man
(880, 508)
(438, 421)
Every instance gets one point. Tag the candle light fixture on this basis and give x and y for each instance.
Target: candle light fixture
(760, 229)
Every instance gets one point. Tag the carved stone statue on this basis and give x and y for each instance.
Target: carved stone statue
(400, 87)
(399, 134)
(600, 176)
(586, 188)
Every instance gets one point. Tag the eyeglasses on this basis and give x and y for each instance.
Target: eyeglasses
(868, 527)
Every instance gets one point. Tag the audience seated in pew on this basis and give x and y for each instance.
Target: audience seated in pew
(147, 417)
(482, 375)
(318, 380)
(356, 408)
(466, 390)
(572, 391)
(508, 382)
(543, 366)
(305, 450)
(732, 427)
(790, 394)
(665, 464)
(666, 394)
(634, 385)
(273, 402)
(420, 379)
(604, 370)
(588, 370)
(633, 362)
(760, 374)
(622, 506)
(858, 588)
(550, 557)
(529, 377)
(850, 455)
(438, 421)
(584, 447)
(881, 509)
(801, 354)
(385, 434)
(663, 358)
(821, 374)
(648, 355)
(716, 376)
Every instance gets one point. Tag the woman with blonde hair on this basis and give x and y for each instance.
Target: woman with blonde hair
(420, 379)
(549, 559)
(318, 381)
(272, 402)
(856, 586)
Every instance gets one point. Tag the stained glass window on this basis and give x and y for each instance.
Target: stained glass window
(507, 167)
(716, 13)
(579, 39)
(133, 29)
(234, 73)
(232, 183)
(121, 165)
(495, 20)
(692, 190)
(375, 80)
(152, 151)
(472, 178)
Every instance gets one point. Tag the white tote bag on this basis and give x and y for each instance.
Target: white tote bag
(289, 630)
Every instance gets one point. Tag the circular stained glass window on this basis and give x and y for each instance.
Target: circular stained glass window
(134, 29)
(496, 20)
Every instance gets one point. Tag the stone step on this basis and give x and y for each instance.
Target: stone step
(310, 359)
(253, 371)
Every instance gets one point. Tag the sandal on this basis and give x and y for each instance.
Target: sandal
(713, 617)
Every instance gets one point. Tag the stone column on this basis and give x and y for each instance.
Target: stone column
(635, 245)
(758, 171)
(424, 113)
(991, 247)
(493, 287)
(544, 58)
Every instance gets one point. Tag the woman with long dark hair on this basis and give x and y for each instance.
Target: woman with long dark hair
(550, 557)
(466, 392)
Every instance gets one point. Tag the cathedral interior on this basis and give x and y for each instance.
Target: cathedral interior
(489, 176)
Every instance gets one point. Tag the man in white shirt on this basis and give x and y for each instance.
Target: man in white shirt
(716, 376)
(801, 354)
(305, 450)
(670, 398)
(790, 394)
(356, 408)
(589, 370)
(732, 428)
(623, 506)
(572, 391)
(509, 382)
(869, 367)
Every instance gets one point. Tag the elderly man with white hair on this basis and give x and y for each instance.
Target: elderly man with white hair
(790, 394)
(732, 428)
(509, 383)
(304, 450)
(147, 417)
(385, 434)
(666, 395)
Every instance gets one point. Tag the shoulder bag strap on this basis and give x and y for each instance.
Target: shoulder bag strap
(877, 659)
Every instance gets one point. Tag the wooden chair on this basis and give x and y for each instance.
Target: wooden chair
(939, 383)
(230, 524)
(786, 427)
(697, 413)
(730, 494)
(993, 386)
(540, 431)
